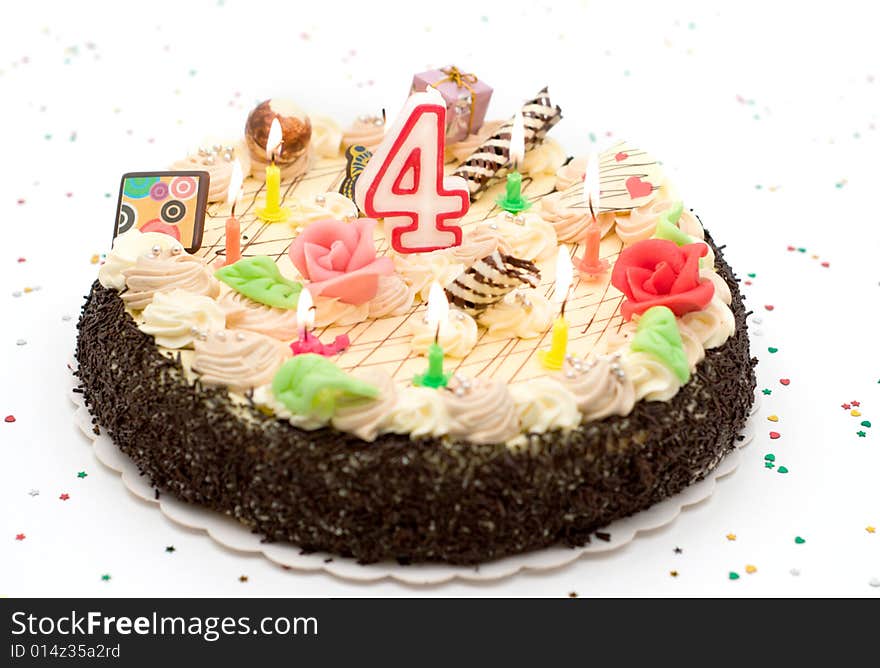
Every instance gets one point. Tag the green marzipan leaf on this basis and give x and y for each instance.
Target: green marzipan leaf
(258, 278)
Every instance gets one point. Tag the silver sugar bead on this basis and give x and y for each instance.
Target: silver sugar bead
(363, 118)
(203, 151)
(239, 336)
(459, 392)
(493, 226)
(519, 220)
(221, 335)
(569, 358)
(156, 250)
(194, 330)
(209, 160)
(320, 199)
(216, 148)
(229, 149)
(378, 122)
(569, 374)
(459, 315)
(227, 156)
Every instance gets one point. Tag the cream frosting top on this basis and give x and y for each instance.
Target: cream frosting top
(471, 250)
(394, 297)
(320, 207)
(246, 314)
(572, 173)
(420, 411)
(420, 270)
(527, 236)
(545, 404)
(218, 163)
(524, 314)
(481, 410)
(458, 335)
(241, 360)
(330, 311)
(175, 319)
(545, 158)
(600, 386)
(365, 417)
(127, 248)
(166, 271)
(570, 223)
(368, 131)
(326, 137)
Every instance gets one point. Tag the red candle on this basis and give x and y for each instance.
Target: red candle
(590, 264)
(233, 228)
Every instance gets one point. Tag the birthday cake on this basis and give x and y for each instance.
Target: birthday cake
(436, 339)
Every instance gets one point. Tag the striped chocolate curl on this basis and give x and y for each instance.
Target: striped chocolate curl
(490, 161)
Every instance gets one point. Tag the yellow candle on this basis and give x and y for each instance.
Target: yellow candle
(273, 212)
(554, 358)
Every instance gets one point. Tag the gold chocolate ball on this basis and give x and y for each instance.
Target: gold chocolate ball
(295, 127)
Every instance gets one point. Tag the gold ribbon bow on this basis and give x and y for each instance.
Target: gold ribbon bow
(462, 80)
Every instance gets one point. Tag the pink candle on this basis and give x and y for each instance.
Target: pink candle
(308, 342)
(404, 182)
(590, 264)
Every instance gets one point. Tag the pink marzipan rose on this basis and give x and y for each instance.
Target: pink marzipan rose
(339, 259)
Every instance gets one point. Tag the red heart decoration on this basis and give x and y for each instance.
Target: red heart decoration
(621, 156)
(784, 381)
(826, 264)
(791, 248)
(9, 418)
(774, 435)
(769, 307)
(638, 188)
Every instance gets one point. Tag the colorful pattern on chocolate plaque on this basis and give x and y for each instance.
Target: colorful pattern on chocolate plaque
(356, 158)
(172, 203)
(384, 344)
(628, 178)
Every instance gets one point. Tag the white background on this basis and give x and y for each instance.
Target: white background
(764, 114)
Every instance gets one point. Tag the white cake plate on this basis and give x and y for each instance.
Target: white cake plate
(235, 536)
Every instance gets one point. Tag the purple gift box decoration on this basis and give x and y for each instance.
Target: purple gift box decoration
(467, 99)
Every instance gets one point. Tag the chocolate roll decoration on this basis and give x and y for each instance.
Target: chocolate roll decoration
(489, 162)
(489, 280)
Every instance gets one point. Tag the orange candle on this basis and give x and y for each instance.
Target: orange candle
(590, 264)
(233, 227)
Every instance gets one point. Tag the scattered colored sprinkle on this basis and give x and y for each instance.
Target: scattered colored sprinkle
(733, 575)
(861, 434)
(752, 275)
(678, 550)
(242, 578)
(774, 435)
(799, 540)
(855, 412)
(825, 264)
(751, 569)
(9, 418)
(34, 492)
(769, 465)
(845, 407)
(855, 403)
(674, 573)
(865, 423)
(106, 577)
(782, 469)
(770, 457)
(871, 529)
(20, 260)
(772, 350)
(20, 342)
(773, 418)
(766, 391)
(572, 594)
(94, 259)
(731, 536)
(82, 474)
(64, 497)
(769, 307)
(170, 548)
(784, 381)
(20, 536)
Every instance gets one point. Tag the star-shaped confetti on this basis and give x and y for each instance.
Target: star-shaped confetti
(678, 550)
(20, 536)
(82, 474)
(751, 569)
(34, 492)
(871, 529)
(731, 536)
(64, 497)
(106, 577)
(845, 407)
(855, 403)
(766, 391)
(861, 434)
(242, 578)
(170, 548)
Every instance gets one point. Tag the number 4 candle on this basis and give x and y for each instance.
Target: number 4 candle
(404, 182)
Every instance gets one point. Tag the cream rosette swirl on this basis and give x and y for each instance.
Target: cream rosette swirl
(544, 404)
(601, 386)
(394, 297)
(571, 173)
(458, 334)
(326, 137)
(335, 206)
(419, 411)
(368, 131)
(480, 410)
(462, 150)
(525, 236)
(245, 314)
(366, 417)
(127, 248)
(175, 319)
(545, 158)
(165, 271)
(570, 222)
(526, 314)
(713, 325)
(239, 360)
(420, 270)
(641, 223)
(722, 289)
(470, 250)
(691, 344)
(331, 311)
(651, 378)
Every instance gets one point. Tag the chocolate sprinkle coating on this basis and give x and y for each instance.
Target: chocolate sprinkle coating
(425, 500)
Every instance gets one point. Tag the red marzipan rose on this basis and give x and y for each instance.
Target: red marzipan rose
(657, 272)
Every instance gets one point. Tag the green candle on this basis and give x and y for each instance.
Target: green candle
(434, 377)
(513, 201)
